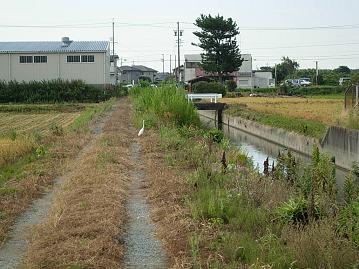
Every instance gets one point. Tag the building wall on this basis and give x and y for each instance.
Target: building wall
(192, 70)
(97, 73)
(4, 67)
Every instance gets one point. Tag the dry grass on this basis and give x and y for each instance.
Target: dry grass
(317, 246)
(34, 122)
(26, 180)
(85, 224)
(326, 111)
(35, 176)
(10, 149)
(167, 190)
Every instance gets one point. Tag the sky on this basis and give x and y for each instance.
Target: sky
(326, 31)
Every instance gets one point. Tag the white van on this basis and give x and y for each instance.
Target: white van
(343, 80)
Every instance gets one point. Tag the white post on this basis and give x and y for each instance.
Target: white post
(357, 96)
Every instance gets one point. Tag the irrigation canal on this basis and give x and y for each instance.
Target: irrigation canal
(259, 149)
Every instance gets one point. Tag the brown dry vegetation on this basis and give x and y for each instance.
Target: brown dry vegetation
(39, 122)
(33, 177)
(11, 150)
(326, 111)
(88, 216)
(167, 190)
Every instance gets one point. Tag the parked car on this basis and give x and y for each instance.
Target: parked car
(293, 82)
(304, 82)
(342, 81)
(129, 86)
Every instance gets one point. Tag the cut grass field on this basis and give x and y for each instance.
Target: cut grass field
(27, 119)
(308, 116)
(325, 111)
(31, 157)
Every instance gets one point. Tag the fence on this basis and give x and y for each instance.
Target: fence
(352, 97)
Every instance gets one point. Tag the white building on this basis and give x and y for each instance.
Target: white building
(245, 76)
(67, 60)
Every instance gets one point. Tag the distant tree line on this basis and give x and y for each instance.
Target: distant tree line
(289, 69)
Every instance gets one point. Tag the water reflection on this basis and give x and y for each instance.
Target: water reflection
(258, 149)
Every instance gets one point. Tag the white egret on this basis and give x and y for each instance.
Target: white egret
(143, 129)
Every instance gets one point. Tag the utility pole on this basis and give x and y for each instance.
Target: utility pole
(170, 64)
(113, 52)
(178, 34)
(175, 66)
(113, 37)
(316, 73)
(275, 75)
(163, 63)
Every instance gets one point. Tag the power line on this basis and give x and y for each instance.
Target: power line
(307, 46)
(260, 28)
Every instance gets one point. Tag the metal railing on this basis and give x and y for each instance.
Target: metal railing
(351, 99)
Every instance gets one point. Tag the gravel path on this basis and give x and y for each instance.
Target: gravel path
(143, 249)
(13, 251)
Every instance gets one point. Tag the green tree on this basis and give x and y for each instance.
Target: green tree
(343, 69)
(266, 69)
(218, 40)
(355, 78)
(286, 68)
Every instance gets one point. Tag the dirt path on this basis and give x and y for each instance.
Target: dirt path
(13, 251)
(143, 249)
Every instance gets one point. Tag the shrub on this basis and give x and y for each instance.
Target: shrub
(231, 85)
(295, 211)
(163, 105)
(52, 91)
(209, 87)
(348, 223)
(216, 135)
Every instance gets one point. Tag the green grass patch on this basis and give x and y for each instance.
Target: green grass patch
(90, 112)
(301, 126)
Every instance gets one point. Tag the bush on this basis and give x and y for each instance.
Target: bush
(295, 211)
(53, 91)
(348, 223)
(164, 104)
(231, 85)
(209, 87)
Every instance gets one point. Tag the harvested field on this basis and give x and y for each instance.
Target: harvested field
(325, 111)
(25, 178)
(10, 149)
(34, 122)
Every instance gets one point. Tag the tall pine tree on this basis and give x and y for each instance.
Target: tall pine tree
(218, 40)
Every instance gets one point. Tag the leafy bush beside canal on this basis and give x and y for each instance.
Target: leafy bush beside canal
(163, 105)
(285, 218)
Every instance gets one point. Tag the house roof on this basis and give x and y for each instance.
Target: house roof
(53, 47)
(140, 68)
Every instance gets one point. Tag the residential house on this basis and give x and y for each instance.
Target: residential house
(161, 77)
(67, 60)
(245, 77)
(114, 70)
(132, 74)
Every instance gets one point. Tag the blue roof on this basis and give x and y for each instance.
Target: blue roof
(53, 47)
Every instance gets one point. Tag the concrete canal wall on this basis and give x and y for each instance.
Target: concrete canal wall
(339, 142)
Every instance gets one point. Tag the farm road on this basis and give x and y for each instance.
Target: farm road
(14, 250)
(96, 215)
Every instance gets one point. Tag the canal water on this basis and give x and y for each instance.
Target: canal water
(259, 149)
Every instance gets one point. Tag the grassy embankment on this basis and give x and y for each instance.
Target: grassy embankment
(307, 116)
(239, 218)
(36, 143)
